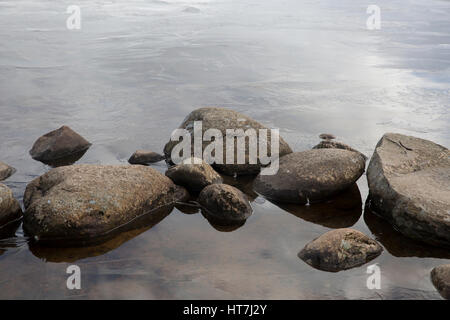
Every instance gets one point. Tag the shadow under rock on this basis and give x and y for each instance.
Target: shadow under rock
(397, 244)
(128, 232)
(340, 211)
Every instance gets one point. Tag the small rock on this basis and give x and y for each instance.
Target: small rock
(145, 157)
(193, 176)
(79, 203)
(6, 171)
(327, 136)
(9, 207)
(311, 176)
(224, 204)
(409, 185)
(328, 144)
(340, 249)
(58, 144)
(440, 276)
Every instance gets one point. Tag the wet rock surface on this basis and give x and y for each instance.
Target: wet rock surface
(340, 249)
(328, 144)
(223, 119)
(409, 185)
(440, 276)
(6, 171)
(311, 176)
(145, 157)
(224, 204)
(58, 144)
(78, 203)
(9, 207)
(192, 175)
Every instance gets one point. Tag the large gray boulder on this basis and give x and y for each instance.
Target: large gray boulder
(340, 249)
(58, 144)
(73, 204)
(409, 185)
(440, 276)
(224, 204)
(9, 207)
(223, 119)
(311, 176)
(193, 176)
(6, 171)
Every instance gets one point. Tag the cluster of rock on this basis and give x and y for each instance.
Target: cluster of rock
(409, 184)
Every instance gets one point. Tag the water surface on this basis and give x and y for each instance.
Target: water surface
(137, 68)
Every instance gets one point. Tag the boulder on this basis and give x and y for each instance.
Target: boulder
(78, 203)
(311, 176)
(145, 157)
(224, 204)
(327, 136)
(9, 207)
(58, 144)
(340, 249)
(328, 144)
(223, 119)
(192, 175)
(440, 276)
(6, 171)
(409, 185)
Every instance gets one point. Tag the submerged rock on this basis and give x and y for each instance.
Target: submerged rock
(223, 119)
(224, 204)
(340, 249)
(74, 204)
(409, 185)
(440, 276)
(311, 176)
(6, 171)
(145, 157)
(58, 144)
(9, 207)
(193, 176)
(328, 144)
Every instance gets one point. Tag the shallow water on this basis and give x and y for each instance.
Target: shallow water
(137, 68)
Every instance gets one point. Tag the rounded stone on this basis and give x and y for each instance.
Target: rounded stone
(9, 207)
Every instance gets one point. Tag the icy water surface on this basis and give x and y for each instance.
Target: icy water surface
(137, 68)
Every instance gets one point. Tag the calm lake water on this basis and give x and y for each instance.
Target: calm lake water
(137, 68)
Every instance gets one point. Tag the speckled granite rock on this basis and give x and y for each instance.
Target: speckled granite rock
(311, 176)
(145, 157)
(328, 144)
(79, 202)
(340, 249)
(224, 204)
(9, 207)
(440, 276)
(6, 171)
(409, 185)
(193, 176)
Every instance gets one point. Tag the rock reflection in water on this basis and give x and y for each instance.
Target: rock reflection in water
(219, 226)
(397, 244)
(341, 211)
(128, 232)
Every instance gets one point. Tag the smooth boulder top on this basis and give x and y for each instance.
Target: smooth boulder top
(9, 207)
(81, 202)
(311, 176)
(440, 276)
(409, 185)
(224, 204)
(145, 157)
(328, 144)
(340, 249)
(58, 144)
(192, 175)
(6, 171)
(223, 119)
